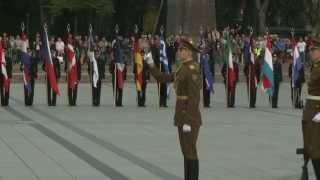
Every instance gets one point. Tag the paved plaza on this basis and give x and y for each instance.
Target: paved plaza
(99, 143)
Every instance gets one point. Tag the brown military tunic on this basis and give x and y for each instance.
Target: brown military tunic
(311, 130)
(187, 84)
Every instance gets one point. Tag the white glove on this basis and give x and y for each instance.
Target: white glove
(148, 58)
(316, 118)
(186, 128)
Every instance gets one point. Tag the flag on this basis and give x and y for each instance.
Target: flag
(46, 54)
(95, 71)
(231, 74)
(119, 64)
(204, 59)
(72, 66)
(297, 63)
(164, 60)
(139, 65)
(5, 77)
(26, 60)
(267, 69)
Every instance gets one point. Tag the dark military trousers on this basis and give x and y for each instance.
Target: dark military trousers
(188, 144)
(96, 94)
(4, 95)
(296, 97)
(231, 94)
(206, 95)
(52, 96)
(252, 96)
(28, 96)
(72, 95)
(316, 167)
(274, 101)
(141, 96)
(118, 94)
(163, 95)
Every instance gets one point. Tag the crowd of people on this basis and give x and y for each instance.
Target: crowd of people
(105, 52)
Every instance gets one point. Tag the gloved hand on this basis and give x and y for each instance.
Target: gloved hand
(316, 118)
(148, 58)
(186, 128)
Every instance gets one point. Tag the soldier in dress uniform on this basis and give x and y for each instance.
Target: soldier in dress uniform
(140, 70)
(51, 95)
(29, 66)
(72, 64)
(311, 113)
(277, 78)
(251, 71)
(188, 83)
(298, 85)
(5, 72)
(230, 86)
(117, 69)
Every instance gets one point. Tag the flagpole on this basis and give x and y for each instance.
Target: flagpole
(293, 89)
(115, 69)
(227, 69)
(90, 63)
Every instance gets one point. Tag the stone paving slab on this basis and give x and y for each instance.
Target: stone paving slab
(105, 142)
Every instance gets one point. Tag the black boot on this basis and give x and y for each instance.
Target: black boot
(194, 169)
(186, 169)
(316, 167)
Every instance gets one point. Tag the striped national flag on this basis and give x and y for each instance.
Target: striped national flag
(297, 65)
(119, 64)
(72, 66)
(267, 68)
(46, 54)
(95, 71)
(139, 65)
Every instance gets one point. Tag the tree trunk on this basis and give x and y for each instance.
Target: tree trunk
(262, 7)
(262, 23)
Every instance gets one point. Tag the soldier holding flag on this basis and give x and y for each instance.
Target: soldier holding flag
(117, 68)
(251, 70)
(5, 74)
(51, 66)
(71, 68)
(28, 68)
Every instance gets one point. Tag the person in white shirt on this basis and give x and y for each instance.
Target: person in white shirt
(60, 49)
(302, 48)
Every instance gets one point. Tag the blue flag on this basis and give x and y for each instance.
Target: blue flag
(204, 59)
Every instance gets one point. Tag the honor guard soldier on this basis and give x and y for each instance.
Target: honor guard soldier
(277, 78)
(188, 84)
(96, 68)
(51, 66)
(139, 68)
(251, 71)
(28, 67)
(230, 73)
(71, 68)
(206, 68)
(117, 69)
(311, 113)
(5, 73)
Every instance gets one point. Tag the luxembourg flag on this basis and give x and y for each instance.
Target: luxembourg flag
(267, 69)
(6, 80)
(46, 53)
(27, 62)
(72, 66)
(297, 63)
